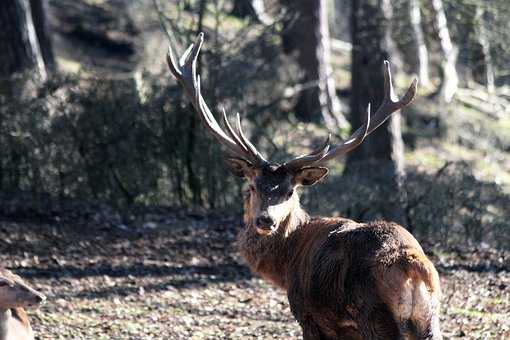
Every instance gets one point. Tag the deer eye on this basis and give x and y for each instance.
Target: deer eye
(251, 188)
(290, 193)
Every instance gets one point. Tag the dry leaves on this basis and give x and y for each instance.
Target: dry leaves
(183, 280)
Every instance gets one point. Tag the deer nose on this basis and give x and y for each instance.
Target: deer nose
(264, 221)
(40, 298)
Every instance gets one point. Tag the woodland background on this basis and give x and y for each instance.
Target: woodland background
(114, 200)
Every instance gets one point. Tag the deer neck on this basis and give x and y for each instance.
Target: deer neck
(14, 324)
(5, 316)
(270, 255)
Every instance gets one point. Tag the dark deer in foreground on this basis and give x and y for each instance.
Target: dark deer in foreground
(344, 280)
(15, 296)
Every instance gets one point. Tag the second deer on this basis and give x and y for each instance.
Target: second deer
(344, 279)
(15, 296)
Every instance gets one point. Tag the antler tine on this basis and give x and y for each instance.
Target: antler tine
(185, 71)
(351, 143)
(246, 142)
(240, 138)
(389, 105)
(230, 131)
(304, 160)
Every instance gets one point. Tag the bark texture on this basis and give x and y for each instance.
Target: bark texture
(450, 81)
(484, 69)
(39, 10)
(380, 158)
(19, 47)
(306, 34)
(421, 64)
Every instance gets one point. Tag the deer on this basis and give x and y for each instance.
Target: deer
(343, 279)
(15, 296)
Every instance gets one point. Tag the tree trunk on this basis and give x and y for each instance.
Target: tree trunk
(39, 10)
(421, 65)
(19, 48)
(306, 33)
(340, 17)
(19, 54)
(193, 178)
(254, 9)
(484, 64)
(450, 81)
(380, 158)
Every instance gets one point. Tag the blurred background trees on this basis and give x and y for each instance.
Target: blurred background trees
(89, 112)
(24, 43)
(305, 33)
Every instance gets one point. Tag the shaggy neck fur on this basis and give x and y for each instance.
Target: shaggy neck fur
(268, 255)
(10, 316)
(5, 315)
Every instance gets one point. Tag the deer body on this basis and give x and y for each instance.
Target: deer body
(344, 280)
(15, 295)
(348, 280)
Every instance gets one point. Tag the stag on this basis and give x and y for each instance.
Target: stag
(344, 279)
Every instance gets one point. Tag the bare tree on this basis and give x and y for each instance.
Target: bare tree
(19, 46)
(381, 156)
(39, 10)
(450, 81)
(485, 65)
(306, 33)
(421, 65)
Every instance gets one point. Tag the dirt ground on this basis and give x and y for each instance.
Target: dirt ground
(183, 279)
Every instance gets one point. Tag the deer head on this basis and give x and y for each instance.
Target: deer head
(272, 198)
(14, 292)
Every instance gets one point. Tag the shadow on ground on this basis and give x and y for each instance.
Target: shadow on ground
(184, 279)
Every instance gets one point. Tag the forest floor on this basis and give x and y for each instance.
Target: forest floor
(182, 279)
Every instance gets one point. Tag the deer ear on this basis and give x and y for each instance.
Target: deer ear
(310, 175)
(240, 167)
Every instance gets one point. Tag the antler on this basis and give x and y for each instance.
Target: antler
(185, 71)
(234, 139)
(304, 160)
(389, 105)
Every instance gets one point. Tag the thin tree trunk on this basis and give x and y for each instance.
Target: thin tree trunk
(420, 48)
(19, 47)
(306, 34)
(19, 54)
(486, 67)
(193, 178)
(380, 158)
(450, 81)
(39, 9)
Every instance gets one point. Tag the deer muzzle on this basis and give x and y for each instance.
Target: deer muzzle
(265, 222)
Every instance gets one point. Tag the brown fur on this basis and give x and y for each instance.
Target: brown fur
(346, 280)
(14, 295)
(20, 314)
